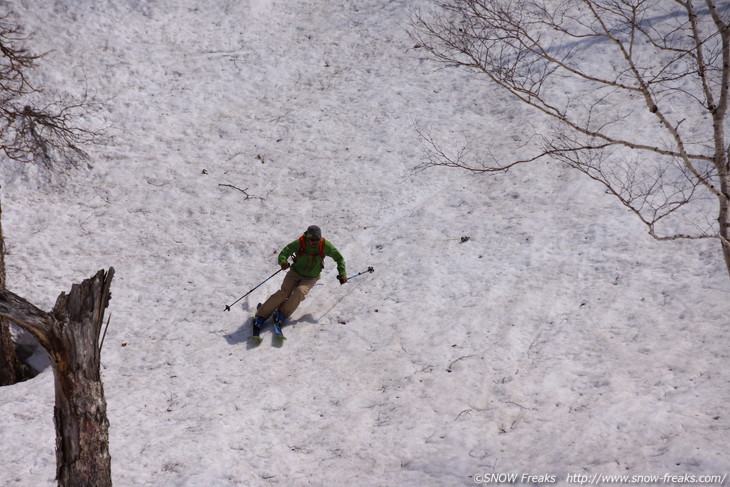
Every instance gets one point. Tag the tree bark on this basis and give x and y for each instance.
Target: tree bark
(724, 220)
(10, 369)
(70, 334)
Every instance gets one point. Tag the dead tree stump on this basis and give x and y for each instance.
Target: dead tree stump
(70, 334)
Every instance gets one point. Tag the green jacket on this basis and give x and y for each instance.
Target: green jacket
(309, 263)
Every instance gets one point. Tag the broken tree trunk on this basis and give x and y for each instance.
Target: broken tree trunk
(70, 334)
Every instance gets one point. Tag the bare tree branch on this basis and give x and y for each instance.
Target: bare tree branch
(46, 135)
(25, 315)
(590, 66)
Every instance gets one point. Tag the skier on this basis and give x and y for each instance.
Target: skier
(309, 252)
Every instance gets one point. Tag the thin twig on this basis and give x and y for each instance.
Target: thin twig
(105, 329)
(244, 191)
(451, 365)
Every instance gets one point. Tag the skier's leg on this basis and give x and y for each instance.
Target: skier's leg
(297, 295)
(290, 282)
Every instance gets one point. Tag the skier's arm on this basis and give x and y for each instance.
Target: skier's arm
(331, 251)
(288, 251)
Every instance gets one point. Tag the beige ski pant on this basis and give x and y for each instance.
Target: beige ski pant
(294, 289)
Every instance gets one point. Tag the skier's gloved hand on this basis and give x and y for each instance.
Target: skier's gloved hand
(342, 279)
(285, 266)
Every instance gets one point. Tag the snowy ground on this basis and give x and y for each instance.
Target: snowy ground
(557, 339)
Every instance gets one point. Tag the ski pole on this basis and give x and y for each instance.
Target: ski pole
(370, 269)
(228, 308)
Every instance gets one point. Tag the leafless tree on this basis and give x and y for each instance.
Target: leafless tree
(45, 134)
(30, 133)
(636, 92)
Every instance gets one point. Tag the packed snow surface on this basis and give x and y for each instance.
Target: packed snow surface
(521, 324)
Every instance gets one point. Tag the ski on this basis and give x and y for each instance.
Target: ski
(278, 333)
(278, 323)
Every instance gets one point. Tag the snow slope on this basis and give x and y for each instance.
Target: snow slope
(557, 339)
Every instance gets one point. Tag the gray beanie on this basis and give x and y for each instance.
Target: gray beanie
(314, 231)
